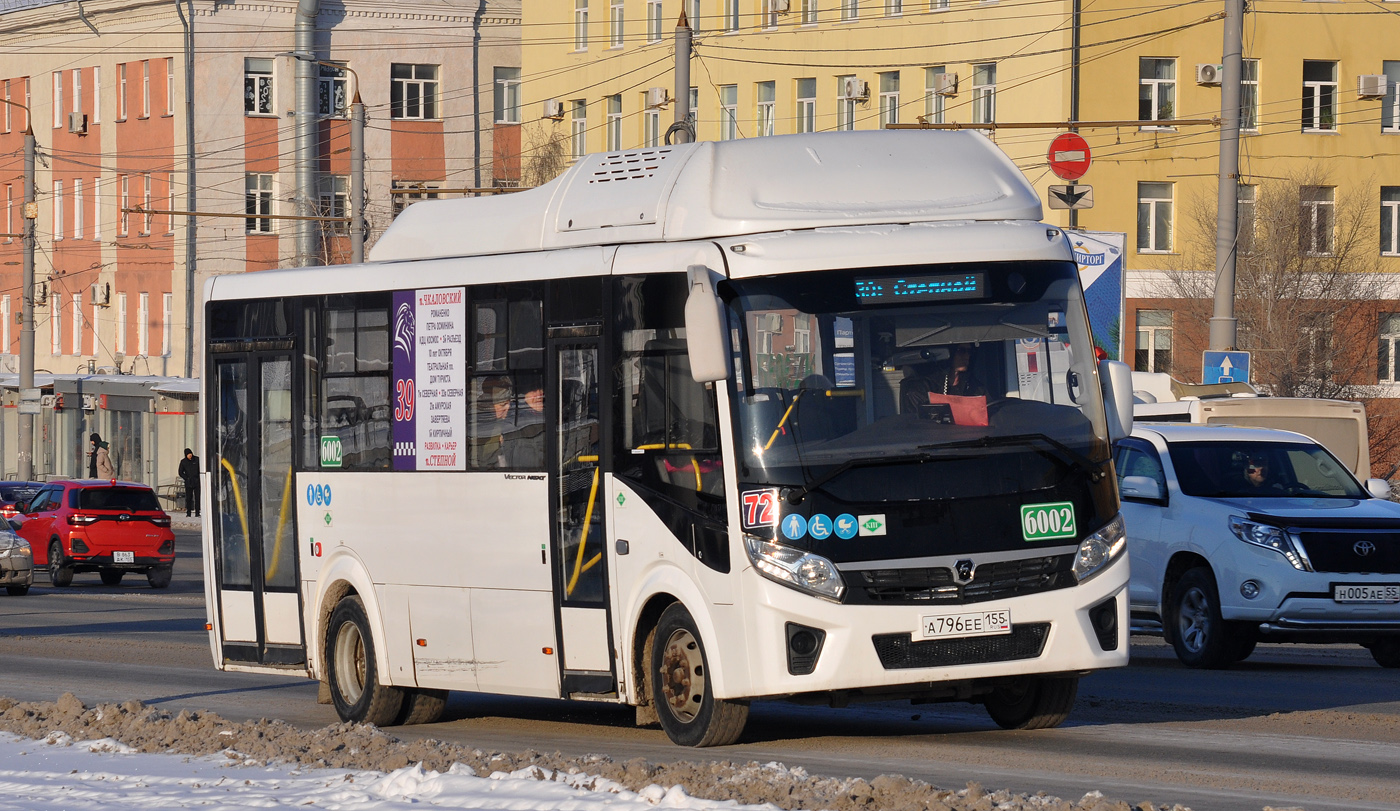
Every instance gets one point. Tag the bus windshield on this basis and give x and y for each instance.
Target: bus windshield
(846, 378)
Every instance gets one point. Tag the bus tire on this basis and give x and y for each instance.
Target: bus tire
(682, 691)
(353, 669)
(422, 706)
(1033, 702)
(60, 570)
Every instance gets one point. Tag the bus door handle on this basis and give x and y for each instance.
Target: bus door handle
(622, 547)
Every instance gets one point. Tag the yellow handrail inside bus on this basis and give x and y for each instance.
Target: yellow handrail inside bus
(583, 539)
(784, 420)
(281, 523)
(242, 513)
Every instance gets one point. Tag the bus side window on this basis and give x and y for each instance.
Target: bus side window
(354, 403)
(506, 427)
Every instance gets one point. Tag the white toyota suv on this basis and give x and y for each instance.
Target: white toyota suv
(1247, 535)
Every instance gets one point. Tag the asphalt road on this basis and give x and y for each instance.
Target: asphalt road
(1294, 726)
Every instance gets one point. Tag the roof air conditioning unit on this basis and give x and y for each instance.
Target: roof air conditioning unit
(1371, 86)
(101, 294)
(945, 84)
(657, 97)
(1207, 74)
(855, 89)
(780, 6)
(553, 108)
(89, 402)
(77, 122)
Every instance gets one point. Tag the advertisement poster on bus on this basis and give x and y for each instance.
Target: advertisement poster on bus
(1099, 255)
(430, 379)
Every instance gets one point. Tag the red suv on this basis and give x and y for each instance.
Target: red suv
(108, 527)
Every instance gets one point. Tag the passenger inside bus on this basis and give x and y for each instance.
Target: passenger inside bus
(952, 375)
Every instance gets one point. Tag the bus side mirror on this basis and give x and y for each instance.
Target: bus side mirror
(1116, 378)
(704, 328)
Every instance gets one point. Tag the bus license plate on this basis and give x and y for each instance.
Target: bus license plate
(123, 557)
(1361, 593)
(977, 623)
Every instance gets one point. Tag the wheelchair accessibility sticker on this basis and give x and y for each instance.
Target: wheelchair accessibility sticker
(318, 495)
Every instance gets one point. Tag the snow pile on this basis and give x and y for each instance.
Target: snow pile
(355, 766)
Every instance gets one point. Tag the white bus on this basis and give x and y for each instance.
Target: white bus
(813, 417)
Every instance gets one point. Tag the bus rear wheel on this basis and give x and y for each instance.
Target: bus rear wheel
(353, 669)
(681, 689)
(421, 706)
(1033, 702)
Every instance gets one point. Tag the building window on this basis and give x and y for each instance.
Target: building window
(615, 24)
(806, 105)
(809, 12)
(578, 129)
(1154, 341)
(335, 202)
(257, 87)
(57, 210)
(167, 301)
(938, 5)
(1390, 220)
(57, 99)
(1154, 221)
(1249, 95)
(1385, 354)
(77, 208)
(894, 8)
(7, 107)
(728, 112)
(1246, 197)
(767, 94)
(655, 22)
(731, 15)
(889, 98)
(97, 207)
(146, 215)
(693, 15)
(332, 90)
(850, 10)
(9, 212)
(1156, 89)
(169, 85)
(1390, 108)
(411, 192)
(614, 123)
(77, 323)
(143, 326)
(845, 104)
(651, 127)
(5, 325)
(56, 324)
(257, 202)
(121, 323)
(934, 101)
(169, 204)
(96, 95)
(123, 190)
(1319, 96)
(580, 25)
(984, 93)
(121, 92)
(413, 92)
(507, 95)
(77, 90)
(770, 12)
(1316, 217)
(146, 89)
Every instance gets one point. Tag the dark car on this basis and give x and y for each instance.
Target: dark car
(12, 493)
(104, 526)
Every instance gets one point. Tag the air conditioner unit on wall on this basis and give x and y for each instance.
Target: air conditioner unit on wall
(101, 294)
(855, 89)
(553, 108)
(657, 97)
(1372, 86)
(780, 6)
(1208, 74)
(945, 84)
(77, 122)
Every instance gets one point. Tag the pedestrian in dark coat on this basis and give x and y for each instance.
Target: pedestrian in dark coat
(189, 472)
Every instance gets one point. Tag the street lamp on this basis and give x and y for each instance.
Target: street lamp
(357, 155)
(28, 395)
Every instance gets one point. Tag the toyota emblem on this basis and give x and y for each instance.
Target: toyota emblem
(963, 571)
(1363, 548)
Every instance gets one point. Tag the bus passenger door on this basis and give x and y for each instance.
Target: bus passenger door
(581, 576)
(254, 509)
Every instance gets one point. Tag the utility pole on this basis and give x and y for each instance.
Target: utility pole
(1075, 17)
(682, 129)
(306, 157)
(1222, 323)
(28, 394)
(357, 177)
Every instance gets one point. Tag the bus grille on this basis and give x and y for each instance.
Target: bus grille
(1375, 552)
(990, 581)
(898, 651)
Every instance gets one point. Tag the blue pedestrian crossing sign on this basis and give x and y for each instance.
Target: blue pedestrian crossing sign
(1224, 367)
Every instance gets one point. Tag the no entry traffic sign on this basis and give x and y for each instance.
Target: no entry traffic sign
(1069, 156)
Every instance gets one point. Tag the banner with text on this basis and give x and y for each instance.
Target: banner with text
(430, 379)
(1099, 255)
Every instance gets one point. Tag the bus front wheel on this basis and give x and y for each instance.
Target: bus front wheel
(353, 669)
(682, 690)
(1033, 702)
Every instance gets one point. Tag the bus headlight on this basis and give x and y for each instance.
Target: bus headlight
(795, 568)
(1100, 549)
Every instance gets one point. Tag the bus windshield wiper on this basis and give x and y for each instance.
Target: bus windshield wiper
(1060, 451)
(796, 495)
